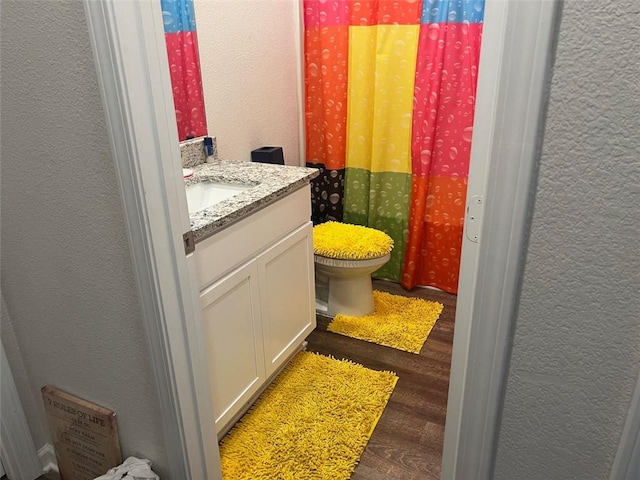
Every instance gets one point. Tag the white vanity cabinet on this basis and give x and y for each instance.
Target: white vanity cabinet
(232, 330)
(257, 298)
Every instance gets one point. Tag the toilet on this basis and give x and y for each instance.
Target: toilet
(345, 257)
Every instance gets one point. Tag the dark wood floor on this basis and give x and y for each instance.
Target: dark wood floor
(407, 443)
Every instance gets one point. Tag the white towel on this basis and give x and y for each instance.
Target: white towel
(131, 469)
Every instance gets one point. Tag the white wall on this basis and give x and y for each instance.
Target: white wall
(576, 351)
(72, 316)
(249, 55)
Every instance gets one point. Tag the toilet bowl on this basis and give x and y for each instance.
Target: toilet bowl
(348, 280)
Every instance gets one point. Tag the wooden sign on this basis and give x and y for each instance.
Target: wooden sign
(85, 435)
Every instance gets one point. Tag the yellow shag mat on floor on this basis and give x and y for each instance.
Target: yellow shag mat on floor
(313, 422)
(399, 322)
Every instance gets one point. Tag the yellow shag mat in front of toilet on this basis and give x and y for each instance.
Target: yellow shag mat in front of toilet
(399, 322)
(350, 242)
(313, 422)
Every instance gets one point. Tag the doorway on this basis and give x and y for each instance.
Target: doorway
(517, 42)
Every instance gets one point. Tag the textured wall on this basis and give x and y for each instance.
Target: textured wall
(249, 62)
(576, 352)
(73, 317)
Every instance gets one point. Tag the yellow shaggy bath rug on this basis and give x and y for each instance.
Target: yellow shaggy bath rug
(312, 423)
(399, 322)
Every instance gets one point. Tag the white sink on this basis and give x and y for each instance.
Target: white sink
(203, 195)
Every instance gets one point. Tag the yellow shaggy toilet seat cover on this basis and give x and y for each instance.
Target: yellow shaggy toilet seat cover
(350, 242)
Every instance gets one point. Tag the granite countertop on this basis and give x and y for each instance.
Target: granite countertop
(268, 182)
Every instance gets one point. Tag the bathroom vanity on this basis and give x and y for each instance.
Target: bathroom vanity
(254, 253)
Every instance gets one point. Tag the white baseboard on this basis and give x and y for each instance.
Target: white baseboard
(47, 456)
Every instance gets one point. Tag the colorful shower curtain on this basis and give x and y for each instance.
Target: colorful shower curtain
(184, 64)
(390, 97)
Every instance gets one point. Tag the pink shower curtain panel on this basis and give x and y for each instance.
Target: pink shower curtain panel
(184, 65)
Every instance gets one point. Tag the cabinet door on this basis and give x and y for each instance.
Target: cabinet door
(287, 293)
(233, 341)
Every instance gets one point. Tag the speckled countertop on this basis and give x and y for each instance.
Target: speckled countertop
(269, 183)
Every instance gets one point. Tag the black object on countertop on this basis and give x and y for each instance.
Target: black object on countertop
(268, 155)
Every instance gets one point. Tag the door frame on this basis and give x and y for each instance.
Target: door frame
(128, 44)
(519, 39)
(17, 450)
(131, 61)
(626, 465)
